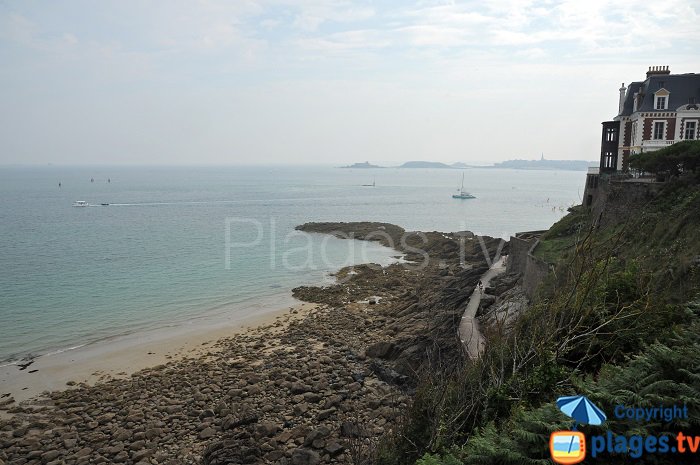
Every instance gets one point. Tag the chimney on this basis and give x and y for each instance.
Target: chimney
(622, 99)
(658, 70)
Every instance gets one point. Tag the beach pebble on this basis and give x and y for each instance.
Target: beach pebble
(207, 433)
(50, 455)
(299, 388)
(334, 448)
(69, 443)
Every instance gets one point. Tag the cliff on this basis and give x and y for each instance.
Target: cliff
(617, 318)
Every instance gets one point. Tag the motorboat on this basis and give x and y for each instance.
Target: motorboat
(81, 203)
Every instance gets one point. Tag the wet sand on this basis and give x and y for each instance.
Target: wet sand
(123, 356)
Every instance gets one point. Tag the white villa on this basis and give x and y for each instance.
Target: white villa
(659, 111)
(652, 114)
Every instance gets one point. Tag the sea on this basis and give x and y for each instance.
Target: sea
(182, 245)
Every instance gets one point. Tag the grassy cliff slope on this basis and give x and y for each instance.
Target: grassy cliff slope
(618, 320)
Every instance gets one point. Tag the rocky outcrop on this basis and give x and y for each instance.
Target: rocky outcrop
(385, 233)
(445, 249)
(412, 326)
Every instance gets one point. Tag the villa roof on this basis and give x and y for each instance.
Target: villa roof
(629, 98)
(681, 88)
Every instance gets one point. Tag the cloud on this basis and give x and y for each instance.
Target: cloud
(361, 39)
(322, 66)
(18, 29)
(308, 22)
(532, 53)
(311, 15)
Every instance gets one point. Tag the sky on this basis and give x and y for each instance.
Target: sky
(324, 81)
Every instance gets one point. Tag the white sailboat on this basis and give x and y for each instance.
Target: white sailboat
(462, 193)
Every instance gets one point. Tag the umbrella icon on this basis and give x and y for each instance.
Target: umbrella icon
(581, 409)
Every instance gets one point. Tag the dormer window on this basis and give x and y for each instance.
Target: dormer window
(661, 99)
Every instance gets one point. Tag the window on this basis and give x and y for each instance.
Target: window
(690, 130)
(659, 130)
(660, 103)
(610, 135)
(608, 161)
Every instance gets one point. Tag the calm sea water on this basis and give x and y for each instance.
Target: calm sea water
(156, 256)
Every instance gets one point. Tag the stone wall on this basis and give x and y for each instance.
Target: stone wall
(536, 270)
(522, 261)
(518, 248)
(616, 200)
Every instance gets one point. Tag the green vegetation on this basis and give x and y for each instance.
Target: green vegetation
(562, 237)
(618, 321)
(682, 158)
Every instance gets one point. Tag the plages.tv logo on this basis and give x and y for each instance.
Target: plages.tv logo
(569, 447)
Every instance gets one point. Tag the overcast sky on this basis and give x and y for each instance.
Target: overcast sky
(324, 81)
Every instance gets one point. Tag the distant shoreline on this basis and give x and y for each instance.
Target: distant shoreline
(530, 165)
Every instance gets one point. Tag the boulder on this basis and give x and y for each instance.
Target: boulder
(383, 350)
(305, 457)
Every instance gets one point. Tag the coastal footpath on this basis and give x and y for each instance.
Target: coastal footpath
(606, 304)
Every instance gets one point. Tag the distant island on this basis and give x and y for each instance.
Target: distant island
(364, 165)
(424, 164)
(518, 164)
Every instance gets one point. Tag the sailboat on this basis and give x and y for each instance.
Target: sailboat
(462, 193)
(374, 183)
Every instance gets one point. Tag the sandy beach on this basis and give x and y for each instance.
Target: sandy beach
(322, 382)
(123, 356)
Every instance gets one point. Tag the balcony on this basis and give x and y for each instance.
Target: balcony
(657, 143)
(593, 170)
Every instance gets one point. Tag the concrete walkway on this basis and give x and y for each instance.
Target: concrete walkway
(469, 332)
